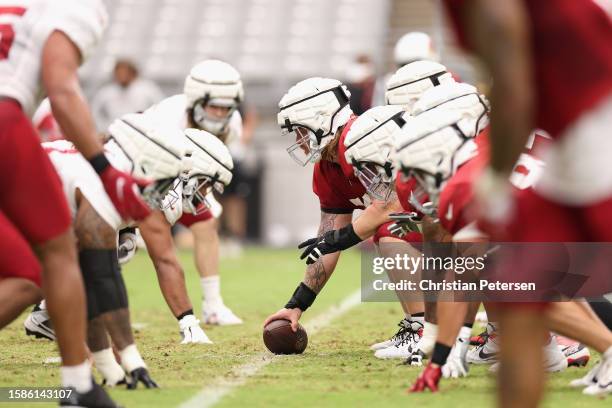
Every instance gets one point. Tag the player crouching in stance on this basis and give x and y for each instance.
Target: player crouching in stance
(316, 114)
(211, 96)
(143, 149)
(445, 150)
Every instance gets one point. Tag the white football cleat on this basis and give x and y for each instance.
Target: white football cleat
(589, 379)
(403, 351)
(577, 355)
(191, 332)
(554, 359)
(219, 315)
(486, 353)
(604, 379)
(395, 339)
(38, 324)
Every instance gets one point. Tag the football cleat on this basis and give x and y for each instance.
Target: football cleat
(486, 353)
(416, 359)
(220, 315)
(191, 332)
(405, 343)
(479, 339)
(577, 355)
(589, 379)
(604, 379)
(395, 339)
(94, 398)
(429, 379)
(554, 360)
(141, 375)
(38, 324)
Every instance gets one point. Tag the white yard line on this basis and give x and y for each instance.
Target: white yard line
(213, 393)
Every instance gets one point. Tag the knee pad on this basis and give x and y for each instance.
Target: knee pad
(104, 284)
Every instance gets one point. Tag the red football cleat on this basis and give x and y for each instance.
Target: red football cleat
(429, 379)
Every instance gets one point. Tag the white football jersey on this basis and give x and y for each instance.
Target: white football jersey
(76, 173)
(26, 26)
(173, 110)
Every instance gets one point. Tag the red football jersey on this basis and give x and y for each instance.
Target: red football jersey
(338, 192)
(572, 54)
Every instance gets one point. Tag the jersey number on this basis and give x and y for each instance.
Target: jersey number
(7, 34)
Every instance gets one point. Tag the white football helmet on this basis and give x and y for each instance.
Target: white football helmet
(408, 84)
(462, 98)
(215, 83)
(211, 168)
(369, 146)
(148, 150)
(440, 137)
(414, 46)
(311, 112)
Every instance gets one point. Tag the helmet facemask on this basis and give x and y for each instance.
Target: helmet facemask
(377, 179)
(216, 125)
(160, 194)
(195, 190)
(307, 147)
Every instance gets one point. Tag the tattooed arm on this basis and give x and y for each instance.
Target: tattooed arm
(319, 272)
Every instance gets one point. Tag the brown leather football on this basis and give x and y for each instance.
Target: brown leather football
(280, 339)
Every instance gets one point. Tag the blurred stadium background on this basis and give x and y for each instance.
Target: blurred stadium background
(273, 43)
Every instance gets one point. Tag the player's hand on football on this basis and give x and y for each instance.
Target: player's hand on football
(141, 375)
(315, 248)
(428, 380)
(293, 315)
(123, 190)
(191, 332)
(127, 245)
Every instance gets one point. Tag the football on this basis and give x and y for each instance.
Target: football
(280, 339)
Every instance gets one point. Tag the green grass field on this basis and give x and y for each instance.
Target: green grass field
(337, 369)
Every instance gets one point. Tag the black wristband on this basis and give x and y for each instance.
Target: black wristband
(186, 313)
(346, 237)
(99, 162)
(303, 297)
(440, 354)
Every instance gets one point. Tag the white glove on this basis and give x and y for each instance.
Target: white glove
(191, 332)
(455, 366)
(127, 247)
(493, 195)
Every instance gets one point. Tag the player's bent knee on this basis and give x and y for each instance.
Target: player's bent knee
(104, 284)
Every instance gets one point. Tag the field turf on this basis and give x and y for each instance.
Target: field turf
(336, 370)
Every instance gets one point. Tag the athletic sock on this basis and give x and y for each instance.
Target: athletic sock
(108, 366)
(608, 353)
(131, 359)
(78, 377)
(211, 290)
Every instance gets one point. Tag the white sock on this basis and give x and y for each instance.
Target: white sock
(420, 319)
(108, 366)
(78, 377)
(427, 342)
(608, 353)
(131, 359)
(211, 290)
(465, 333)
(43, 305)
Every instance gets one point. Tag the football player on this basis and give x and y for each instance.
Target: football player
(540, 84)
(315, 113)
(211, 169)
(147, 150)
(446, 152)
(211, 96)
(43, 44)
